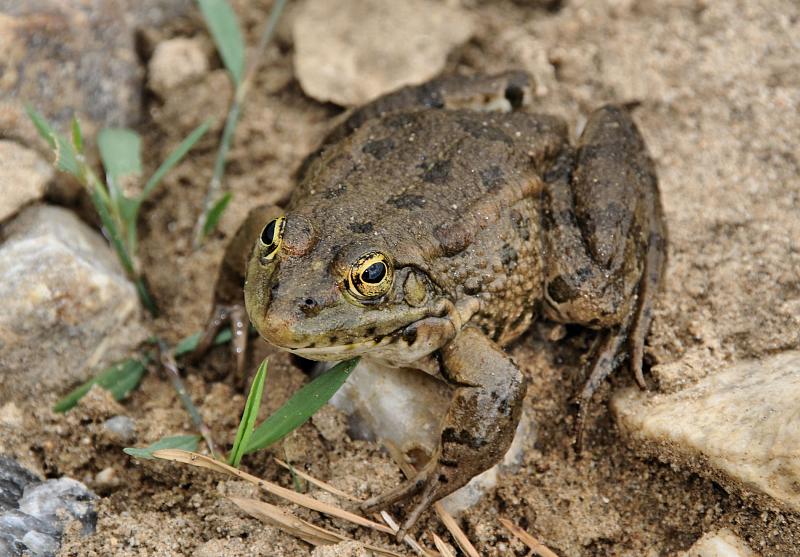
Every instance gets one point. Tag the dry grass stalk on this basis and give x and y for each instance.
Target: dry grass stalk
(411, 542)
(298, 527)
(447, 519)
(535, 545)
(209, 463)
(319, 483)
(440, 545)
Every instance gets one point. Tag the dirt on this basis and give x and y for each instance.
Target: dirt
(718, 90)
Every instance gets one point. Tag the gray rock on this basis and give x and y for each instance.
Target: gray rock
(23, 177)
(740, 427)
(74, 56)
(352, 51)
(405, 408)
(176, 62)
(35, 512)
(66, 308)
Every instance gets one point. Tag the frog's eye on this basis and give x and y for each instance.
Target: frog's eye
(270, 240)
(371, 276)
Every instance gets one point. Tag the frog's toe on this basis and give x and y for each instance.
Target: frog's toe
(234, 315)
(402, 492)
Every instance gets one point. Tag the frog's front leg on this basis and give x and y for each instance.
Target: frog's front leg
(479, 425)
(228, 305)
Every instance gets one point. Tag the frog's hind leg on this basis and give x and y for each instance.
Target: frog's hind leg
(603, 211)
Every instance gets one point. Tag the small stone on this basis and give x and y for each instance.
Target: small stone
(352, 51)
(342, 549)
(176, 62)
(33, 513)
(740, 427)
(23, 177)
(121, 427)
(67, 308)
(722, 543)
(107, 477)
(11, 416)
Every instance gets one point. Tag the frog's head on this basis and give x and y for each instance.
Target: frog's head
(326, 298)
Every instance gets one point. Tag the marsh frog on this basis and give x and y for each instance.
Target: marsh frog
(431, 228)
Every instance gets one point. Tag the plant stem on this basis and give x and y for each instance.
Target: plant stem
(233, 118)
(174, 375)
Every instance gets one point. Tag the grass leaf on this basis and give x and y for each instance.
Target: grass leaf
(221, 21)
(77, 136)
(190, 343)
(249, 416)
(301, 406)
(120, 150)
(173, 158)
(66, 159)
(121, 378)
(183, 442)
(215, 213)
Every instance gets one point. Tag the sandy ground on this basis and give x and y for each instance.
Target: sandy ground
(719, 90)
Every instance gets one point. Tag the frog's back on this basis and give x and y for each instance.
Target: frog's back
(454, 193)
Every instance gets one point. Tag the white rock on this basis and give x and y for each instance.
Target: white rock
(740, 427)
(66, 308)
(351, 51)
(23, 177)
(176, 62)
(722, 543)
(405, 407)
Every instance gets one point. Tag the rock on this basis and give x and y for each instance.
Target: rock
(122, 428)
(67, 308)
(740, 427)
(405, 408)
(351, 51)
(32, 521)
(342, 549)
(23, 177)
(74, 56)
(722, 543)
(176, 62)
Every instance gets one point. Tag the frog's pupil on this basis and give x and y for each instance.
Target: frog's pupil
(374, 273)
(268, 234)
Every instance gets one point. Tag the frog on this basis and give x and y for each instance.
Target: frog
(430, 229)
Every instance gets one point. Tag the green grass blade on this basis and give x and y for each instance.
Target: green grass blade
(221, 21)
(249, 416)
(120, 150)
(215, 213)
(173, 158)
(184, 442)
(77, 136)
(190, 343)
(301, 406)
(66, 159)
(121, 378)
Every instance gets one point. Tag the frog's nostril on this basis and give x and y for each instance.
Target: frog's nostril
(309, 306)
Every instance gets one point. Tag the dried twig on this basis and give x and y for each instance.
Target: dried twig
(209, 463)
(170, 365)
(443, 549)
(298, 527)
(536, 546)
(319, 483)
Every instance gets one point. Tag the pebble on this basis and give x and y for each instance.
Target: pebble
(121, 427)
(66, 308)
(351, 51)
(739, 426)
(33, 513)
(722, 543)
(176, 62)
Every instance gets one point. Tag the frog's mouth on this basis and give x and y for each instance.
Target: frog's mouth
(402, 346)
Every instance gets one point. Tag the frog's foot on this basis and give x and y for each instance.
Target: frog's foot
(234, 315)
(478, 428)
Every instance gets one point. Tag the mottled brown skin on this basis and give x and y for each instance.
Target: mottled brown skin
(489, 220)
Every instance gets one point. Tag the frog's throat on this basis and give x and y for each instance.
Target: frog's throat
(404, 345)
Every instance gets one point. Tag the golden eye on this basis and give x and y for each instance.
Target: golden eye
(371, 276)
(271, 237)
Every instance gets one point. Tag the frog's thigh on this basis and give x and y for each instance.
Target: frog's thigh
(483, 415)
(599, 204)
